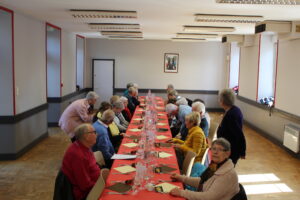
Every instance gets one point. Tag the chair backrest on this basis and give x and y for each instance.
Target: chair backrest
(204, 158)
(104, 173)
(241, 195)
(63, 187)
(97, 189)
(213, 130)
(99, 158)
(188, 163)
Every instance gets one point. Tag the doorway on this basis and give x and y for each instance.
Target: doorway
(103, 79)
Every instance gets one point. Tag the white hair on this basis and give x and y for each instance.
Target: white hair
(123, 99)
(92, 95)
(118, 105)
(170, 108)
(198, 107)
(181, 101)
(108, 116)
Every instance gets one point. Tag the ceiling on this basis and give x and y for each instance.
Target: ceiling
(158, 19)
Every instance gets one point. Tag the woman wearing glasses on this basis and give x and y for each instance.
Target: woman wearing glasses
(218, 182)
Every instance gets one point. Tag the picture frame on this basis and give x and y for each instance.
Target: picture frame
(171, 61)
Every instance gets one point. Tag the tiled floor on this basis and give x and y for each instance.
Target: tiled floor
(269, 172)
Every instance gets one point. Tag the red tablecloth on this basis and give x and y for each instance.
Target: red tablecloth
(171, 161)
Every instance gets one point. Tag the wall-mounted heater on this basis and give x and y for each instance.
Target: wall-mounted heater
(291, 137)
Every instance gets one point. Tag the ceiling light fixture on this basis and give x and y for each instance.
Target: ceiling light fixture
(113, 26)
(272, 2)
(188, 39)
(208, 29)
(78, 13)
(122, 33)
(228, 18)
(196, 35)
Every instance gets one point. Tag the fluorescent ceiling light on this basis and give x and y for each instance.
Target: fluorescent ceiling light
(94, 14)
(274, 2)
(188, 39)
(122, 33)
(208, 29)
(113, 26)
(228, 18)
(124, 38)
(196, 35)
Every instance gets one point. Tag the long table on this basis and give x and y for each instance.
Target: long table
(114, 176)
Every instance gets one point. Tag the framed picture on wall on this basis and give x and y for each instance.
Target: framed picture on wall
(171, 62)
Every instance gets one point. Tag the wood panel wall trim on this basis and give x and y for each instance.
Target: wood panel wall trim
(145, 90)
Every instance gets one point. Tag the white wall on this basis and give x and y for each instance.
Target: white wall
(30, 63)
(68, 62)
(201, 65)
(288, 71)
(249, 69)
(80, 61)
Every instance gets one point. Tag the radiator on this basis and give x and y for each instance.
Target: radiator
(291, 137)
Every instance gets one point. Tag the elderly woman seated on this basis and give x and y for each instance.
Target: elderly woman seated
(200, 108)
(126, 112)
(218, 182)
(195, 140)
(119, 119)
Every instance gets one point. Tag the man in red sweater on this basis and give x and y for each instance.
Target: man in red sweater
(79, 163)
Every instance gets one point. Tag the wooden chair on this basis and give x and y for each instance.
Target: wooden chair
(99, 158)
(212, 134)
(188, 163)
(99, 186)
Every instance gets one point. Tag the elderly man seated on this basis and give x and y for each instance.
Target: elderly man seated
(79, 163)
(218, 182)
(179, 111)
(132, 99)
(119, 119)
(103, 142)
(77, 113)
(200, 108)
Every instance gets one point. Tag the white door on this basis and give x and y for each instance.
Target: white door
(103, 79)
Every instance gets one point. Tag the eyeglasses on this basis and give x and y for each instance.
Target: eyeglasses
(92, 132)
(217, 149)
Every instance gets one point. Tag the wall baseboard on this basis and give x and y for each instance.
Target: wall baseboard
(272, 139)
(145, 90)
(23, 115)
(14, 156)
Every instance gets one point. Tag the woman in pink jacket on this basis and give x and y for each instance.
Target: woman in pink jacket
(218, 182)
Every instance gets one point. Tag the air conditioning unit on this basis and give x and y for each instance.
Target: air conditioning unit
(287, 30)
(233, 38)
(291, 137)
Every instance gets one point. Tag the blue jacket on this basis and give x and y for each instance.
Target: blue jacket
(103, 142)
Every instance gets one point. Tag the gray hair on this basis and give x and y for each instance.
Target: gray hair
(170, 108)
(222, 142)
(181, 101)
(170, 86)
(108, 116)
(123, 99)
(129, 85)
(118, 104)
(131, 90)
(194, 118)
(135, 85)
(227, 97)
(81, 130)
(92, 95)
(172, 92)
(198, 107)
(114, 99)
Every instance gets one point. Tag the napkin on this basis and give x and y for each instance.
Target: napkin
(164, 155)
(120, 187)
(161, 137)
(137, 119)
(125, 169)
(161, 124)
(166, 187)
(131, 144)
(134, 130)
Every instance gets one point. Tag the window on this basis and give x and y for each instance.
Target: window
(267, 69)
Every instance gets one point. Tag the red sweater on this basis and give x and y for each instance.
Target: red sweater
(79, 165)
